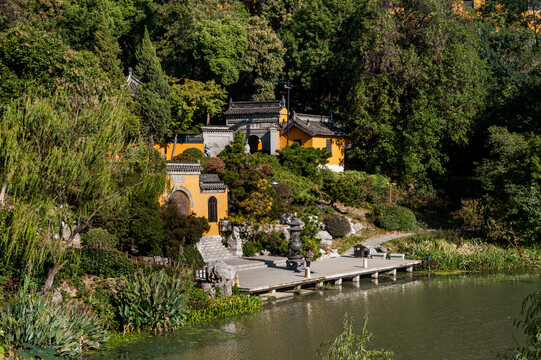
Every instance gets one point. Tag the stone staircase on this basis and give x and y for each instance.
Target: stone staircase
(212, 249)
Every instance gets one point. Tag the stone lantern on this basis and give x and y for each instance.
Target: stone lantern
(295, 259)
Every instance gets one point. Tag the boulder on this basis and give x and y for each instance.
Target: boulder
(223, 277)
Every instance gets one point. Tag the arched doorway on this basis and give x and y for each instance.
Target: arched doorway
(180, 200)
(253, 142)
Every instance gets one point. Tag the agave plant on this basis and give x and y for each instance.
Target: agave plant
(32, 321)
(152, 301)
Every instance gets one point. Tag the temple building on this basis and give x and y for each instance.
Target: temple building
(317, 131)
(259, 121)
(198, 194)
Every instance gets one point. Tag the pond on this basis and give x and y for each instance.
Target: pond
(417, 317)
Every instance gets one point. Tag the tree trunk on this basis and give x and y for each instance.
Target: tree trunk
(174, 146)
(3, 194)
(50, 276)
(208, 119)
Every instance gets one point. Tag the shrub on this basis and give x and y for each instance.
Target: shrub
(99, 262)
(393, 217)
(213, 165)
(274, 242)
(346, 188)
(193, 152)
(190, 255)
(337, 225)
(251, 248)
(184, 157)
(152, 301)
(303, 161)
(67, 328)
(99, 235)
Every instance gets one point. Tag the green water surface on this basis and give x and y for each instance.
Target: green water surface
(436, 317)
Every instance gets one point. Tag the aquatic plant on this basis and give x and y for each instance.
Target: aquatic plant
(350, 346)
(450, 251)
(206, 309)
(30, 321)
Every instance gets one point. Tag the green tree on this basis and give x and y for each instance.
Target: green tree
(154, 101)
(219, 47)
(60, 168)
(192, 101)
(29, 60)
(179, 25)
(263, 62)
(512, 179)
(107, 51)
(321, 52)
(419, 83)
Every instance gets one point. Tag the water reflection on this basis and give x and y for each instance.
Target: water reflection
(451, 317)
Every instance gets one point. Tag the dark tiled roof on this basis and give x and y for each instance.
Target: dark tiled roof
(316, 125)
(211, 182)
(184, 167)
(254, 107)
(187, 139)
(216, 129)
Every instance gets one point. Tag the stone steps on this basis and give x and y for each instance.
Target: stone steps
(212, 249)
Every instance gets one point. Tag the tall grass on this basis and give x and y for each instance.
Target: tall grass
(32, 321)
(451, 251)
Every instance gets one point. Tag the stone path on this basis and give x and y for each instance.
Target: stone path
(264, 273)
(379, 240)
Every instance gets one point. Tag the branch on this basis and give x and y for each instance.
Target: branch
(79, 228)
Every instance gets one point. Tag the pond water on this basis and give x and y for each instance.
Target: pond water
(417, 317)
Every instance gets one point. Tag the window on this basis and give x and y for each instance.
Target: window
(329, 145)
(213, 209)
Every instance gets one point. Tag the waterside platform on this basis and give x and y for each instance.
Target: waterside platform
(273, 275)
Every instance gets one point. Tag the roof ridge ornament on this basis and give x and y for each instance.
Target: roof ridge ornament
(231, 102)
(283, 101)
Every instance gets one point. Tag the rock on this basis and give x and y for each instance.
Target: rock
(351, 228)
(358, 226)
(334, 254)
(324, 236)
(265, 252)
(223, 277)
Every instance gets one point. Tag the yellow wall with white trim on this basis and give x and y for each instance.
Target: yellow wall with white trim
(200, 200)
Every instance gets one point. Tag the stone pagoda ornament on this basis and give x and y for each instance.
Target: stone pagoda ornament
(295, 259)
